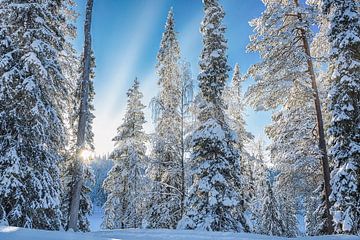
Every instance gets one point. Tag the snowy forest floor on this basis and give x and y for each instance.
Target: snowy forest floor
(14, 233)
(95, 219)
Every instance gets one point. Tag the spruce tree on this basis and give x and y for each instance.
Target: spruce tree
(257, 155)
(344, 130)
(315, 212)
(235, 103)
(310, 216)
(213, 198)
(271, 222)
(167, 168)
(288, 210)
(273, 211)
(113, 207)
(124, 207)
(235, 108)
(33, 93)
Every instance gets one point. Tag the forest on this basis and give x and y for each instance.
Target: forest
(200, 168)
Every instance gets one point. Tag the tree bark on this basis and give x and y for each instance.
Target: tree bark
(322, 143)
(83, 118)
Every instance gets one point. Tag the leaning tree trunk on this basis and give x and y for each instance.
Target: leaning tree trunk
(83, 118)
(320, 124)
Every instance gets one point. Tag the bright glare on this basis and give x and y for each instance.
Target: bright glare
(85, 154)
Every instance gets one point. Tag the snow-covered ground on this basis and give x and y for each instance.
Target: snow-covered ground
(95, 218)
(14, 233)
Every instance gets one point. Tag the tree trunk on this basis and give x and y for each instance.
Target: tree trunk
(182, 209)
(322, 143)
(83, 118)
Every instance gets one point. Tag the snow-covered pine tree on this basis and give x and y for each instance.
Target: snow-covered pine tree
(314, 201)
(113, 206)
(213, 199)
(282, 36)
(68, 57)
(33, 93)
(256, 150)
(294, 153)
(234, 100)
(69, 165)
(310, 216)
(124, 207)
(235, 104)
(344, 38)
(270, 222)
(266, 215)
(193, 124)
(167, 167)
(287, 208)
(314, 212)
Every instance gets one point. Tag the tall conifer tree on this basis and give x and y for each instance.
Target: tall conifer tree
(124, 207)
(33, 93)
(213, 199)
(235, 108)
(344, 38)
(167, 168)
(270, 221)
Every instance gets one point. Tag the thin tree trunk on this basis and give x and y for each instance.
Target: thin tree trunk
(322, 143)
(182, 209)
(83, 118)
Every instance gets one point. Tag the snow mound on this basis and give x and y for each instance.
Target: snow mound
(14, 233)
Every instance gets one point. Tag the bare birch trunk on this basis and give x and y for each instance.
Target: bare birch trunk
(322, 143)
(83, 118)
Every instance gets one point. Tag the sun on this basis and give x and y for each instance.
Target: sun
(86, 154)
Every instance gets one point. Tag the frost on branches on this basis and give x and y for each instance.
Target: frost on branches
(32, 102)
(271, 222)
(124, 207)
(235, 103)
(167, 168)
(286, 79)
(283, 60)
(213, 198)
(295, 154)
(235, 107)
(256, 154)
(344, 38)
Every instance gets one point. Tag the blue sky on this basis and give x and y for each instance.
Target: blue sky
(126, 36)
